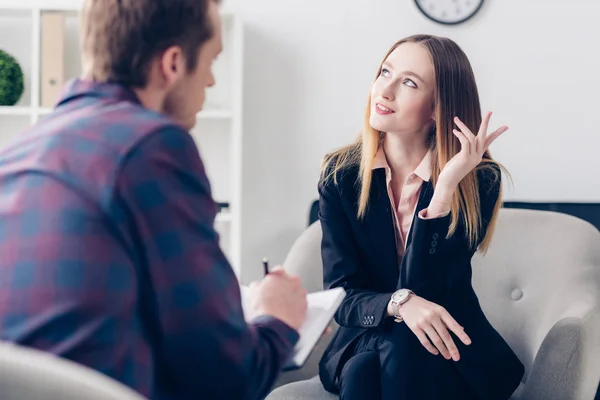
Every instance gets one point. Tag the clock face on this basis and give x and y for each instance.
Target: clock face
(449, 12)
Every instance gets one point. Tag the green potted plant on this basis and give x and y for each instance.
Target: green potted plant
(11, 80)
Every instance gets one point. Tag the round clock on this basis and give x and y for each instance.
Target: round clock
(449, 12)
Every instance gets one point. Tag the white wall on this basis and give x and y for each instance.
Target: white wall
(308, 71)
(308, 68)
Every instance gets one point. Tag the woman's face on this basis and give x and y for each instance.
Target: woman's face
(402, 96)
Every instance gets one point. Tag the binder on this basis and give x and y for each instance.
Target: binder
(52, 68)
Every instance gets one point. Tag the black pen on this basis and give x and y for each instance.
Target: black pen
(266, 266)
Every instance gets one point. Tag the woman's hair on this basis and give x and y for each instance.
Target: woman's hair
(455, 94)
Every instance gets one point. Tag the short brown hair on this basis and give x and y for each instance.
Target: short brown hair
(119, 38)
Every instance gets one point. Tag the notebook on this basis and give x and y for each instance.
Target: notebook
(321, 309)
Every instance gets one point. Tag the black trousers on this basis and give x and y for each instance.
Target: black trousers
(361, 377)
(395, 366)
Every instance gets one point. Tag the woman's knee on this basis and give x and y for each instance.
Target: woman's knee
(361, 375)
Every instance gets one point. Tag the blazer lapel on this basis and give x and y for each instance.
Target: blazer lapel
(411, 250)
(379, 225)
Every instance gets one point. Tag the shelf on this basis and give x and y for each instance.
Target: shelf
(66, 5)
(12, 126)
(219, 126)
(204, 114)
(15, 110)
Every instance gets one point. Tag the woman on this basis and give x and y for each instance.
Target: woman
(403, 210)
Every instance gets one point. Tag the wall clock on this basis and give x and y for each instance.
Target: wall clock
(449, 12)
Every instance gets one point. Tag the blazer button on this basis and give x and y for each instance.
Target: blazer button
(432, 250)
(433, 244)
(435, 236)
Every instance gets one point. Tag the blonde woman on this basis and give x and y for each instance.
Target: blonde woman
(403, 210)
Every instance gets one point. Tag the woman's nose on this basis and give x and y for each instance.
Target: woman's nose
(388, 93)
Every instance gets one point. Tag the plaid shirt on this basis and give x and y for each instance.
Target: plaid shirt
(108, 255)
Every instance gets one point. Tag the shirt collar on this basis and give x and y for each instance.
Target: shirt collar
(423, 170)
(77, 88)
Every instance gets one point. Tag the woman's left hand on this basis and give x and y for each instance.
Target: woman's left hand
(471, 152)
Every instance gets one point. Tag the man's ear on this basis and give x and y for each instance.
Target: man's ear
(172, 64)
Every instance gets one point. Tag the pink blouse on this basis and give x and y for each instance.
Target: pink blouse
(410, 190)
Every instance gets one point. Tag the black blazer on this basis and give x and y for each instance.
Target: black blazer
(361, 257)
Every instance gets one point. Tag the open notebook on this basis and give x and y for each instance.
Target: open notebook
(321, 308)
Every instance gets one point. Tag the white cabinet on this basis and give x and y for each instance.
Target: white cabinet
(218, 132)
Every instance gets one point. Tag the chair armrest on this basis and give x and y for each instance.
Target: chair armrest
(311, 367)
(566, 366)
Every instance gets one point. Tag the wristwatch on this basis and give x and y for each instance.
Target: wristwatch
(400, 297)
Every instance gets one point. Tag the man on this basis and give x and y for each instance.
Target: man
(108, 254)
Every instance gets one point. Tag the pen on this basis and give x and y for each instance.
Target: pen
(266, 266)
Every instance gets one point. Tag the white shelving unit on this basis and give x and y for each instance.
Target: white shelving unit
(218, 132)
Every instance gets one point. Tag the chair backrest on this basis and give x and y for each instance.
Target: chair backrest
(540, 266)
(29, 374)
(304, 258)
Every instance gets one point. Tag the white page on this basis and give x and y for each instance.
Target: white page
(321, 308)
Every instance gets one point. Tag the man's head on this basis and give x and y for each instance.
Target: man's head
(162, 49)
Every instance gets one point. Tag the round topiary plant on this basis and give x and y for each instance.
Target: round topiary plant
(11, 80)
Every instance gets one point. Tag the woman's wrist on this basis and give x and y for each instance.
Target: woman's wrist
(442, 199)
(391, 309)
(443, 192)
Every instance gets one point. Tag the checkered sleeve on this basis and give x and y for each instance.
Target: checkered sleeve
(208, 348)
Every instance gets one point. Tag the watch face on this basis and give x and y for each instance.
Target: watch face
(400, 295)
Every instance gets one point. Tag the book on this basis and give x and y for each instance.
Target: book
(322, 306)
(52, 49)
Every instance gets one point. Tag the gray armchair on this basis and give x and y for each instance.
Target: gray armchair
(539, 285)
(29, 374)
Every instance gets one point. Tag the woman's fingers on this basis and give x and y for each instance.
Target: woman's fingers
(442, 331)
(425, 341)
(466, 131)
(484, 126)
(464, 143)
(455, 327)
(436, 340)
(494, 135)
(483, 140)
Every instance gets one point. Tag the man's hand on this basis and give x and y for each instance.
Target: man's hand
(279, 295)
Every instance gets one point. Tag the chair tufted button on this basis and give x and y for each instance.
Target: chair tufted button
(516, 294)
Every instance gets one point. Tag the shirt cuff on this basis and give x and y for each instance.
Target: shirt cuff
(424, 215)
(286, 333)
